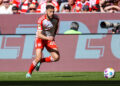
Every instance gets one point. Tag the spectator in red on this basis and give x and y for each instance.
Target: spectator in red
(81, 4)
(95, 8)
(94, 5)
(71, 3)
(32, 8)
(94, 2)
(85, 9)
(16, 3)
(42, 7)
(25, 5)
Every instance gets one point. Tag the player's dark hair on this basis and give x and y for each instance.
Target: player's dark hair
(74, 26)
(50, 7)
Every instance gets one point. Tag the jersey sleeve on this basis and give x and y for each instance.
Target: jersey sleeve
(40, 26)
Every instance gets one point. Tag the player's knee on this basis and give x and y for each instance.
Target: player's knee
(57, 58)
(38, 59)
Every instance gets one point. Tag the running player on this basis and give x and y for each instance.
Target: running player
(45, 35)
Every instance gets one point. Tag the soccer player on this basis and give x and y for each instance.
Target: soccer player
(45, 37)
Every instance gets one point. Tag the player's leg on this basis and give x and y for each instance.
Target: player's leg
(55, 56)
(34, 63)
(39, 47)
(46, 59)
(52, 48)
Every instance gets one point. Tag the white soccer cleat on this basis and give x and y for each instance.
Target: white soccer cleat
(28, 75)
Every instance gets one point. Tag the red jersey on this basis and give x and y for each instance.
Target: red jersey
(93, 4)
(48, 27)
(42, 7)
(81, 5)
(25, 5)
(16, 3)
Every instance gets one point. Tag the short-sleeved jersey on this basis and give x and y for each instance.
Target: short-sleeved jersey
(16, 3)
(48, 27)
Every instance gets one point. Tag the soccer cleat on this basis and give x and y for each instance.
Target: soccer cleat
(28, 75)
(37, 67)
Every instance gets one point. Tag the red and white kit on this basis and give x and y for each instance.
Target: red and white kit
(93, 2)
(48, 28)
(81, 5)
(42, 7)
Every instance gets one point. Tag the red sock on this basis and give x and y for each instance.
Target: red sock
(32, 67)
(47, 59)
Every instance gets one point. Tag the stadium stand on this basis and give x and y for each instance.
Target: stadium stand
(110, 6)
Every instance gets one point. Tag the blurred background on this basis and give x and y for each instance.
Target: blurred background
(61, 6)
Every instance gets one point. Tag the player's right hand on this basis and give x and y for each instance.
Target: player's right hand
(50, 38)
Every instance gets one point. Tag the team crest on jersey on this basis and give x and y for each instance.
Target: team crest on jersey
(39, 26)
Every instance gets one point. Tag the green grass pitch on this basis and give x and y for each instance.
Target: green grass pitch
(58, 79)
(51, 76)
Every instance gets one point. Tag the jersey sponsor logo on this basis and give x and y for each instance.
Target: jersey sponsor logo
(52, 43)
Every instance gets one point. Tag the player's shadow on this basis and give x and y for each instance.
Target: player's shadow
(66, 76)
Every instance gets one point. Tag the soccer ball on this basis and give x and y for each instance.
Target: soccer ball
(109, 73)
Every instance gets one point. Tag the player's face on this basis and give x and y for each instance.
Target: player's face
(50, 13)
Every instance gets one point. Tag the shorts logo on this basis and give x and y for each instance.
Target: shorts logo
(39, 44)
(52, 43)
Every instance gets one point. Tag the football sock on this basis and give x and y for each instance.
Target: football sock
(47, 59)
(32, 67)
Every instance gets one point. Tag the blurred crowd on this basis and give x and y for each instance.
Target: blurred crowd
(63, 6)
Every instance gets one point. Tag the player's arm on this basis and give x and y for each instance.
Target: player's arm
(40, 35)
